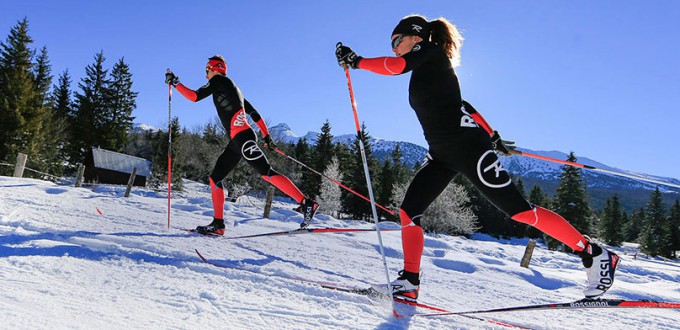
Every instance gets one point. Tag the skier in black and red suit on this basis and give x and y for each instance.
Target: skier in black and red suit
(232, 108)
(460, 141)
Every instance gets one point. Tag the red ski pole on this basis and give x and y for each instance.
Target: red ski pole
(368, 183)
(169, 147)
(334, 181)
(588, 167)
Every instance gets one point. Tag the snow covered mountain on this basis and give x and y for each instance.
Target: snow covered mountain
(601, 186)
(382, 149)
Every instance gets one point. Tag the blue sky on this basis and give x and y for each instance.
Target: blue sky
(600, 78)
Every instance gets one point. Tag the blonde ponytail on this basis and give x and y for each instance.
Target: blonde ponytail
(446, 35)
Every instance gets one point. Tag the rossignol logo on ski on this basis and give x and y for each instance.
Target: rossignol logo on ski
(491, 172)
(251, 151)
(594, 303)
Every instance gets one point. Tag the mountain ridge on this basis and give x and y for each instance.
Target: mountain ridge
(600, 186)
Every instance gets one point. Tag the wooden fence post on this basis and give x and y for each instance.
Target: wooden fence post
(528, 252)
(131, 181)
(268, 203)
(79, 177)
(21, 165)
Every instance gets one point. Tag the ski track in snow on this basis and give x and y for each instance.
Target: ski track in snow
(65, 266)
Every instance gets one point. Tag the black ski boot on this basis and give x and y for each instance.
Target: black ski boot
(216, 227)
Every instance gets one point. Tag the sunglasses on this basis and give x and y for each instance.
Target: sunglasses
(396, 41)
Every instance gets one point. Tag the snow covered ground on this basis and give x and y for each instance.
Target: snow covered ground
(65, 265)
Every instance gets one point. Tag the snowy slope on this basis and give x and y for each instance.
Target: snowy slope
(64, 265)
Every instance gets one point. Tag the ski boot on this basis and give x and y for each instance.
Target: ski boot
(406, 286)
(308, 209)
(216, 227)
(600, 266)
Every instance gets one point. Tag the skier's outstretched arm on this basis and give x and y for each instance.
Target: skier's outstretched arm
(190, 94)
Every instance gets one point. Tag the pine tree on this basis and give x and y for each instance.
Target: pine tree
(386, 181)
(571, 201)
(46, 130)
(655, 238)
(90, 104)
(159, 170)
(329, 198)
(538, 197)
(62, 112)
(17, 91)
(321, 155)
(117, 119)
(633, 226)
(308, 179)
(402, 173)
(358, 208)
(674, 221)
(611, 225)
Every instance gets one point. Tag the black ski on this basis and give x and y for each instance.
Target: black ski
(579, 304)
(310, 231)
(292, 232)
(369, 291)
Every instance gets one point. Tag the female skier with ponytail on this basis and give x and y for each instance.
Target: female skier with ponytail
(460, 141)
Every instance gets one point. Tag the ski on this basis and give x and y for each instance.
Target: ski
(291, 232)
(369, 291)
(309, 231)
(579, 304)
(441, 311)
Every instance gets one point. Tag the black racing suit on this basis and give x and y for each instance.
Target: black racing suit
(457, 144)
(232, 109)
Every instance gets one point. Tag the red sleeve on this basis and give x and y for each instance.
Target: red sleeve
(477, 117)
(388, 66)
(187, 92)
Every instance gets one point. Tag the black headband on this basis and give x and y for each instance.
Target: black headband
(413, 25)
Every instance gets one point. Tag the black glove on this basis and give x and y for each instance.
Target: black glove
(347, 57)
(269, 143)
(171, 79)
(501, 146)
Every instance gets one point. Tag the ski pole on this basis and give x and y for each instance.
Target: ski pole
(169, 147)
(368, 183)
(333, 180)
(588, 167)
